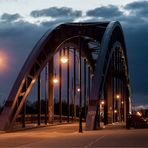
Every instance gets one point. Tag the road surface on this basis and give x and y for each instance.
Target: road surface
(67, 135)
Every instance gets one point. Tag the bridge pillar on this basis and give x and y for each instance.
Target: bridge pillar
(93, 115)
(50, 91)
(108, 113)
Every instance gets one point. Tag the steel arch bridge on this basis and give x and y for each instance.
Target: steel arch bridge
(102, 46)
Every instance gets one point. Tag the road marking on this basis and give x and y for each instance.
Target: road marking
(93, 142)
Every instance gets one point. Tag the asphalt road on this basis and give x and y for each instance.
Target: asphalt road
(67, 136)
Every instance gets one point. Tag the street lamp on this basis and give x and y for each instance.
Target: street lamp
(102, 102)
(55, 79)
(115, 111)
(118, 96)
(78, 89)
(64, 59)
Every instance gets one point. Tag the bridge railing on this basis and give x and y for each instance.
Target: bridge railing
(32, 118)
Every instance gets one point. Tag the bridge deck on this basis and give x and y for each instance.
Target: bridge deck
(68, 136)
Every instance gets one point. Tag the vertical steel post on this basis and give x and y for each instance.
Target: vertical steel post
(50, 91)
(46, 107)
(23, 114)
(39, 100)
(72, 109)
(74, 89)
(118, 86)
(85, 88)
(113, 87)
(124, 98)
(80, 83)
(122, 101)
(116, 57)
(88, 83)
(60, 88)
(68, 86)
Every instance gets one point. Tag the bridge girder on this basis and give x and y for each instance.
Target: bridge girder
(106, 34)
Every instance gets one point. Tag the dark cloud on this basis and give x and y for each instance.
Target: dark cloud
(138, 5)
(105, 12)
(56, 12)
(18, 39)
(135, 27)
(139, 8)
(136, 41)
(10, 17)
(139, 99)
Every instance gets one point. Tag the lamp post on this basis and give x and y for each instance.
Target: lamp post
(80, 85)
(55, 79)
(64, 60)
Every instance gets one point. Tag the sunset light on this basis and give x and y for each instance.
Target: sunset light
(3, 61)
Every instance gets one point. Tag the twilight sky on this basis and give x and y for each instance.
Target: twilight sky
(23, 22)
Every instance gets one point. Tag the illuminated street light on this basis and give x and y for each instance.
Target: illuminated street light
(115, 111)
(102, 102)
(55, 79)
(117, 96)
(122, 102)
(64, 58)
(78, 89)
(138, 114)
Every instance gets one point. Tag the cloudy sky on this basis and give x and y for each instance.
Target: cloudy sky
(23, 22)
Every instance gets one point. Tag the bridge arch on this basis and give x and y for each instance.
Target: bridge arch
(112, 41)
(76, 34)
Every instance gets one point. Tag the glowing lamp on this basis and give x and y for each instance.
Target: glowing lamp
(64, 59)
(55, 79)
(78, 89)
(117, 96)
(102, 102)
(115, 111)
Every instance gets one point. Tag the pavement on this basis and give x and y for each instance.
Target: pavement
(67, 135)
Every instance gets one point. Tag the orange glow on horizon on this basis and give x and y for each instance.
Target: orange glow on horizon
(3, 61)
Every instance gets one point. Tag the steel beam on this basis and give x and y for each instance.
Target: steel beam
(50, 91)
(60, 88)
(68, 85)
(39, 100)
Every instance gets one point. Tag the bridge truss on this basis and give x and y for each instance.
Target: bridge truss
(104, 83)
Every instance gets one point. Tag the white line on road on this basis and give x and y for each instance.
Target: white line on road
(93, 142)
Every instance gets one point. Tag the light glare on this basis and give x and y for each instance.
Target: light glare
(78, 89)
(3, 61)
(117, 96)
(64, 59)
(55, 80)
(102, 102)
